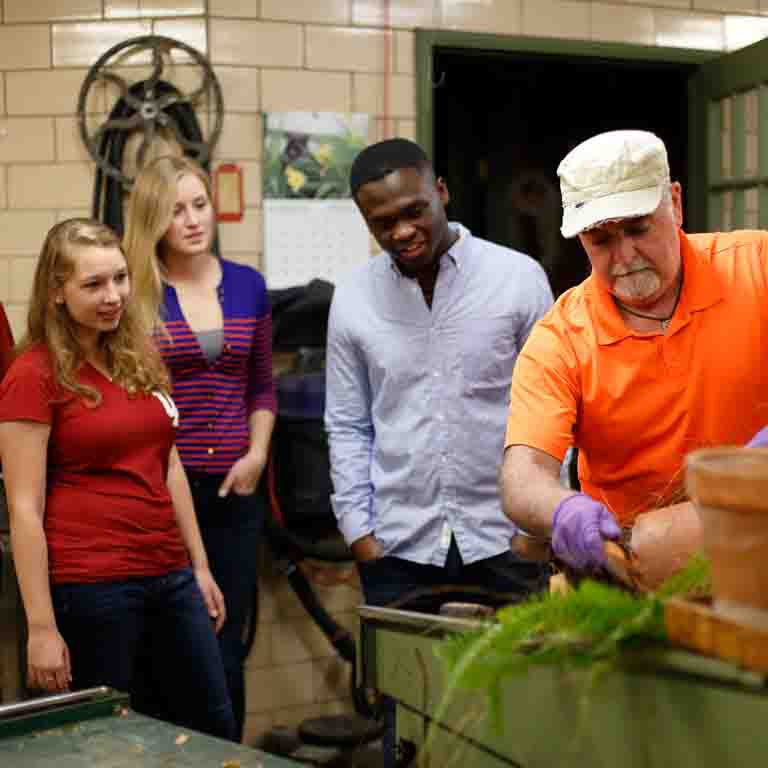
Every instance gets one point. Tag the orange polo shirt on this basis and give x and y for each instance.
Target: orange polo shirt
(636, 403)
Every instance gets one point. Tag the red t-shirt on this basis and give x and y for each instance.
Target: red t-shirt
(108, 510)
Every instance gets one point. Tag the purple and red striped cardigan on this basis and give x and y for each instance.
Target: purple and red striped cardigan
(216, 400)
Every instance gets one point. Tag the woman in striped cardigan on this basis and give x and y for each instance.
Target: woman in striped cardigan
(214, 333)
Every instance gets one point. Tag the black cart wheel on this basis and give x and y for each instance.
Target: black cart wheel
(150, 106)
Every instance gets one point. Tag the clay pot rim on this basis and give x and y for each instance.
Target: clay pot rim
(734, 477)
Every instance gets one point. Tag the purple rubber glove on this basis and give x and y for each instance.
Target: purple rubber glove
(578, 528)
(760, 440)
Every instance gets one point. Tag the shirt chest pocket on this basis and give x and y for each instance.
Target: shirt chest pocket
(488, 351)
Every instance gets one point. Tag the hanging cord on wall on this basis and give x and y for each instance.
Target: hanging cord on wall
(107, 204)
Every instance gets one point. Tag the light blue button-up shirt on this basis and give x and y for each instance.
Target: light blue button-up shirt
(417, 399)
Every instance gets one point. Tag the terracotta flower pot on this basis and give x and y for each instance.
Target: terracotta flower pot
(730, 489)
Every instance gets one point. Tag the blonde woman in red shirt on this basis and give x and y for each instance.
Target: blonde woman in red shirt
(113, 573)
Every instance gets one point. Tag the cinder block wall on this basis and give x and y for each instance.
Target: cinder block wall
(270, 55)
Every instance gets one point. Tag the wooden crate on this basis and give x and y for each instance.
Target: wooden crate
(694, 624)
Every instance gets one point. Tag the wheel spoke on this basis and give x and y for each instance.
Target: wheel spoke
(125, 91)
(149, 136)
(118, 124)
(199, 148)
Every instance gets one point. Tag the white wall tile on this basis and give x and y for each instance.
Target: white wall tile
(347, 49)
(314, 12)
(21, 276)
(741, 31)
(240, 88)
(240, 9)
(50, 186)
(727, 6)
(50, 10)
(617, 23)
(399, 13)
(255, 43)
(500, 17)
(285, 90)
(48, 92)
(5, 295)
(369, 95)
(241, 137)
(80, 45)
(661, 3)
(405, 53)
(25, 46)
(690, 30)
(23, 232)
(556, 18)
(191, 32)
(26, 139)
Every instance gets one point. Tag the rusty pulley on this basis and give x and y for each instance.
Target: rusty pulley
(152, 109)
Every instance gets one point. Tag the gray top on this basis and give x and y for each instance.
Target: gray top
(211, 342)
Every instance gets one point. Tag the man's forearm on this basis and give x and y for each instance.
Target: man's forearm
(531, 489)
(350, 449)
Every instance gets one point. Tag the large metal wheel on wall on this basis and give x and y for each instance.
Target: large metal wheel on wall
(156, 111)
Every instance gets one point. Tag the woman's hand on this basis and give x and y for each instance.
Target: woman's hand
(48, 665)
(244, 474)
(214, 600)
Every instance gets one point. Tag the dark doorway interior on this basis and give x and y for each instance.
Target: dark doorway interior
(503, 122)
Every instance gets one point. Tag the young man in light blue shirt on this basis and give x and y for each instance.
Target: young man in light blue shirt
(422, 340)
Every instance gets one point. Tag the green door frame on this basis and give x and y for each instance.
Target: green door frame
(428, 40)
(732, 74)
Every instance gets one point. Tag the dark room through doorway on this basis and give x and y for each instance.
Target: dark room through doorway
(503, 121)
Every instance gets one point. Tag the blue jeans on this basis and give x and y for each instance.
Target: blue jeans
(495, 581)
(152, 637)
(231, 528)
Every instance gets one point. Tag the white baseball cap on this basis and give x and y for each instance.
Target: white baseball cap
(614, 175)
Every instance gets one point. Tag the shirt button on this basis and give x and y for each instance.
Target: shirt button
(210, 451)
(210, 425)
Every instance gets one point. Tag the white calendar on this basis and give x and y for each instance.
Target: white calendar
(312, 229)
(305, 239)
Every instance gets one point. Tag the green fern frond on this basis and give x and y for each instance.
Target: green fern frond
(588, 626)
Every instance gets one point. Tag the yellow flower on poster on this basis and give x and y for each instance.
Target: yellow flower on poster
(296, 179)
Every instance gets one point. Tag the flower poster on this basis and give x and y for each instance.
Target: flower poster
(312, 228)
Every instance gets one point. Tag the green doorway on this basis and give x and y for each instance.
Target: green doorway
(498, 114)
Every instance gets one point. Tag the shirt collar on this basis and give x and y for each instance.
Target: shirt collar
(457, 253)
(701, 289)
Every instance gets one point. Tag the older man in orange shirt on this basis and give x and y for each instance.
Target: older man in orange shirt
(660, 351)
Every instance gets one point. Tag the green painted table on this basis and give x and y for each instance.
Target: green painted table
(97, 730)
(667, 709)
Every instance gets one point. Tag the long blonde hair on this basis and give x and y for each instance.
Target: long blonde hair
(149, 216)
(133, 361)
